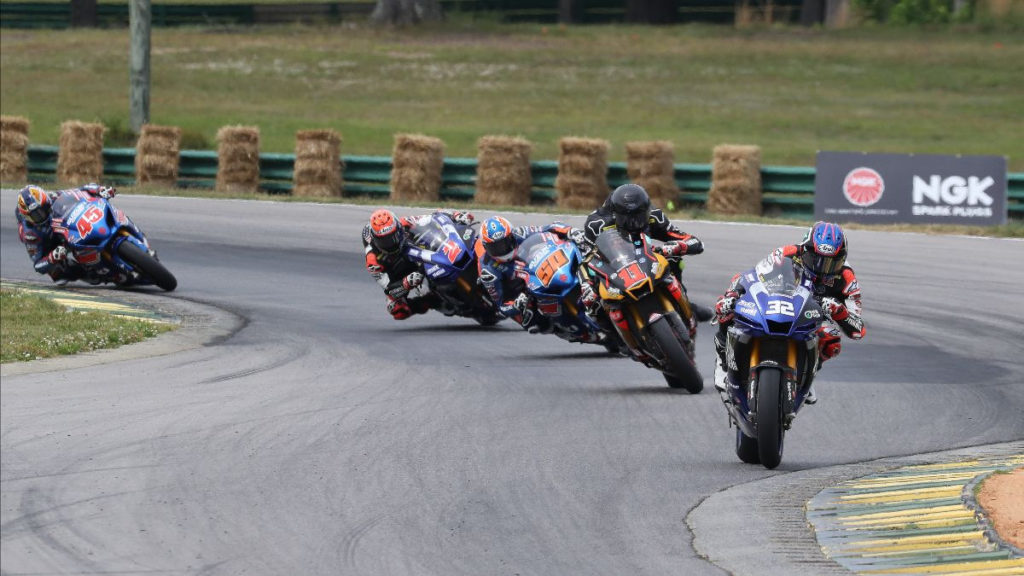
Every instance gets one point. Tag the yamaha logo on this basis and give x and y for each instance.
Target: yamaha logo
(863, 186)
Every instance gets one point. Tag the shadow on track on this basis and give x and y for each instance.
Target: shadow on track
(596, 353)
(470, 326)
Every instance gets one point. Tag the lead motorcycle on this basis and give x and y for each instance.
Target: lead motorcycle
(549, 267)
(448, 253)
(771, 356)
(107, 244)
(647, 306)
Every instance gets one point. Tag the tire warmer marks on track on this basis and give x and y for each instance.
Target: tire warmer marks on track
(914, 520)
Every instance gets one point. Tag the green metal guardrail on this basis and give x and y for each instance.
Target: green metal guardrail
(786, 190)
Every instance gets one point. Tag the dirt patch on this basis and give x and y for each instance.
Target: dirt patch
(1002, 496)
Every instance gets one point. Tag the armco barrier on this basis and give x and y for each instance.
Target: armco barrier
(787, 190)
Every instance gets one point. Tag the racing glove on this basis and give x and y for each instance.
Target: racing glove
(680, 247)
(724, 308)
(578, 236)
(589, 299)
(463, 217)
(57, 256)
(834, 309)
(412, 280)
(105, 192)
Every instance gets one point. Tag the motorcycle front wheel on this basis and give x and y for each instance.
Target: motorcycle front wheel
(683, 373)
(148, 265)
(770, 431)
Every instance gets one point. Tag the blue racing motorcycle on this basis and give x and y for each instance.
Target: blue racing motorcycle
(107, 245)
(448, 253)
(771, 355)
(549, 265)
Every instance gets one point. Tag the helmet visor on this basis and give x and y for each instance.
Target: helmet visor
(389, 243)
(502, 249)
(37, 215)
(823, 266)
(632, 221)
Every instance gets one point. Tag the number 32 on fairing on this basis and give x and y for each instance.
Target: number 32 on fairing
(780, 307)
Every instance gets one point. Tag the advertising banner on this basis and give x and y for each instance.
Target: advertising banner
(910, 188)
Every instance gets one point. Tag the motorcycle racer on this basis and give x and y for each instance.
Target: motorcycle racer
(628, 208)
(822, 256)
(497, 268)
(35, 212)
(384, 237)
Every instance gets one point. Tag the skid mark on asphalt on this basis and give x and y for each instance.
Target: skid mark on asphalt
(913, 520)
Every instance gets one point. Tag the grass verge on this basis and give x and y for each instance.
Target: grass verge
(35, 327)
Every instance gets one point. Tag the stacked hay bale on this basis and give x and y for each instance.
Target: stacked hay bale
(582, 181)
(14, 149)
(80, 154)
(157, 155)
(318, 165)
(238, 159)
(735, 180)
(417, 162)
(652, 165)
(503, 171)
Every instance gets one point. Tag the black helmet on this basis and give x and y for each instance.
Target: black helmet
(632, 208)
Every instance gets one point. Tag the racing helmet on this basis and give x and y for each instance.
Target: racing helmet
(823, 250)
(386, 230)
(498, 239)
(632, 208)
(34, 205)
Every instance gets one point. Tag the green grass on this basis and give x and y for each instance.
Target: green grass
(35, 327)
(947, 90)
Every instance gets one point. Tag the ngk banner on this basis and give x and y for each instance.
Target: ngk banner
(918, 188)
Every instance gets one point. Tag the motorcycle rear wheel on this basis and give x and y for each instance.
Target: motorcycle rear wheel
(683, 373)
(148, 265)
(770, 432)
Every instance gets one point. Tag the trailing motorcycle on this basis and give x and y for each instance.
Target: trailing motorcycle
(107, 245)
(549, 267)
(448, 252)
(647, 306)
(771, 356)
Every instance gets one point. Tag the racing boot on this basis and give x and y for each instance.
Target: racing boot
(811, 397)
(721, 374)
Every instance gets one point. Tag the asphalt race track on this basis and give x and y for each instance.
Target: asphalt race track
(325, 438)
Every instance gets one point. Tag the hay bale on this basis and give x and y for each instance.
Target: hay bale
(417, 163)
(582, 181)
(157, 155)
(80, 155)
(735, 180)
(317, 164)
(238, 159)
(14, 149)
(503, 171)
(652, 165)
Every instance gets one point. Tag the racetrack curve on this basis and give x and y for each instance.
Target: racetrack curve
(326, 438)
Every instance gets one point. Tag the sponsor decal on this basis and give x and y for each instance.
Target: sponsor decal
(952, 196)
(746, 307)
(812, 314)
(863, 186)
